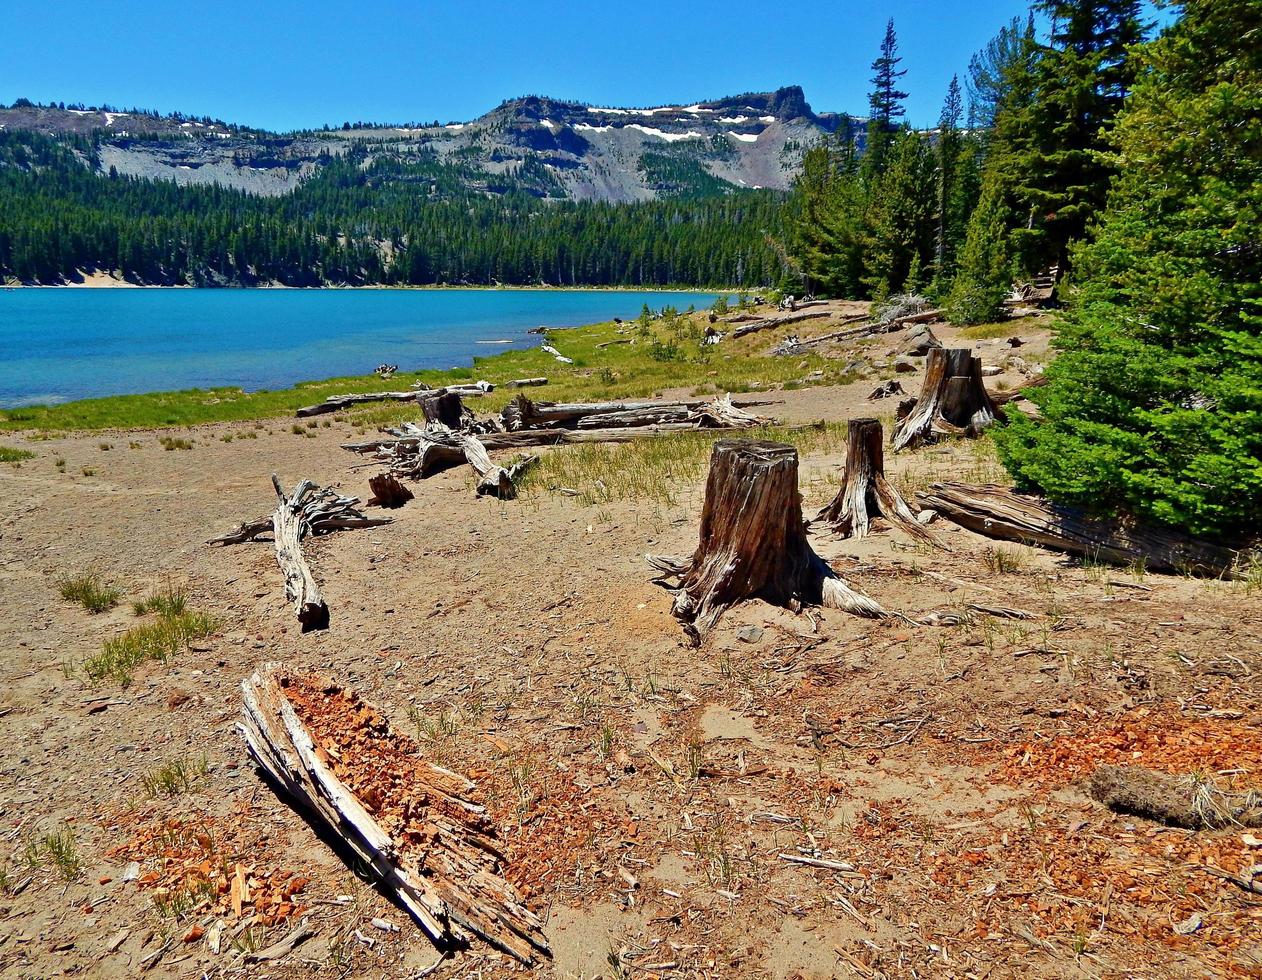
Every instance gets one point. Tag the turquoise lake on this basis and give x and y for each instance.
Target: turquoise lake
(62, 344)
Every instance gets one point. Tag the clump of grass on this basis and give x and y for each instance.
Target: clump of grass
(297, 429)
(175, 777)
(159, 640)
(10, 455)
(105, 447)
(88, 471)
(56, 848)
(170, 443)
(91, 591)
(170, 600)
(1006, 561)
(60, 464)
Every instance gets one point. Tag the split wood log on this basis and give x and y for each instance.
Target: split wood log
(288, 527)
(865, 493)
(443, 866)
(387, 491)
(886, 390)
(753, 542)
(1009, 516)
(778, 321)
(335, 403)
(952, 401)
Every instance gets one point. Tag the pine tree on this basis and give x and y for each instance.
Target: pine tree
(1057, 141)
(899, 222)
(949, 148)
(885, 103)
(1154, 404)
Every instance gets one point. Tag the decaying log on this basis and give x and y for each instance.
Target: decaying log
(442, 863)
(493, 480)
(310, 509)
(288, 527)
(1000, 513)
(526, 383)
(324, 511)
(337, 402)
(865, 493)
(387, 491)
(778, 321)
(1176, 801)
(1020, 391)
(753, 542)
(952, 401)
(522, 413)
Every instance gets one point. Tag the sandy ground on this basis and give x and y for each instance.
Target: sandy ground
(645, 791)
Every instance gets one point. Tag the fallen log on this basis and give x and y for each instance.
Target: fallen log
(522, 413)
(325, 511)
(1176, 801)
(771, 323)
(288, 527)
(493, 480)
(865, 493)
(310, 509)
(753, 543)
(952, 401)
(1020, 391)
(336, 403)
(1010, 516)
(416, 828)
(526, 383)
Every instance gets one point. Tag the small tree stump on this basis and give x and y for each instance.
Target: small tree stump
(865, 492)
(446, 408)
(753, 542)
(953, 400)
(387, 491)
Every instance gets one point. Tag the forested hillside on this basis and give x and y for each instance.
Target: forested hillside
(358, 220)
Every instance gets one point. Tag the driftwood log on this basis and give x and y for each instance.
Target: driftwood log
(337, 402)
(313, 510)
(865, 493)
(493, 480)
(1000, 513)
(952, 401)
(753, 543)
(771, 323)
(522, 413)
(441, 862)
(526, 383)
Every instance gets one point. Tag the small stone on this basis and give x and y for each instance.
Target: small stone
(904, 365)
(749, 634)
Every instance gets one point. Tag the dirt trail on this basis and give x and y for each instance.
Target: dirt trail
(644, 790)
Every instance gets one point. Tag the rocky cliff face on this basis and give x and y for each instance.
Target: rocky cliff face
(570, 150)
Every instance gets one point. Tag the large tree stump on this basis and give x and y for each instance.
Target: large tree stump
(953, 400)
(753, 542)
(445, 407)
(865, 492)
(387, 491)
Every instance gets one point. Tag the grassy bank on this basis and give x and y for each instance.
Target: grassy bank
(637, 360)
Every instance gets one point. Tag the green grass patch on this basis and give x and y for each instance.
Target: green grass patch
(90, 591)
(170, 600)
(58, 849)
(659, 469)
(10, 455)
(175, 777)
(159, 640)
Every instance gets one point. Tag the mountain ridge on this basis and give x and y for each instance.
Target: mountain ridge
(547, 147)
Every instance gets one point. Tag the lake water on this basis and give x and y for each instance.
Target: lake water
(62, 344)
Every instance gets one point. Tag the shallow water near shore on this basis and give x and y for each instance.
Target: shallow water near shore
(62, 344)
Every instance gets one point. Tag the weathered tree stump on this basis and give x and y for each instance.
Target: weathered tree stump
(865, 492)
(953, 400)
(753, 542)
(445, 407)
(387, 491)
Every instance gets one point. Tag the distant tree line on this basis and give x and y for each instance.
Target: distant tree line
(366, 218)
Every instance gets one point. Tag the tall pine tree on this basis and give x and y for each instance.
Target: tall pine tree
(886, 110)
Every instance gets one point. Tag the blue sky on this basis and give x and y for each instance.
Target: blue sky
(280, 64)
